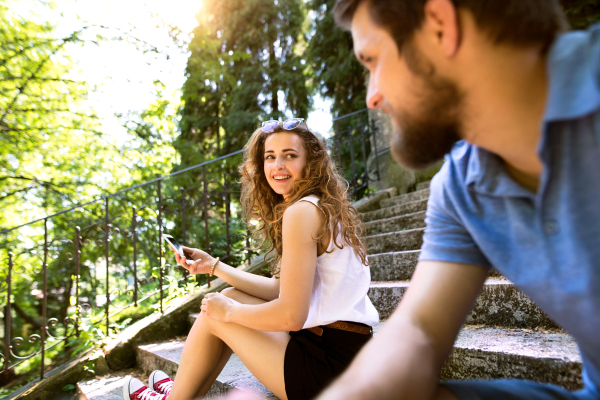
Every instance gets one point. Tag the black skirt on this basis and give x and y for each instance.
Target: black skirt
(312, 361)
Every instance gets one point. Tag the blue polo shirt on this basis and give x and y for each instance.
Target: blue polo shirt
(547, 243)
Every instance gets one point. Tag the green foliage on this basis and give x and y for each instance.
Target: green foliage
(336, 73)
(242, 55)
(581, 13)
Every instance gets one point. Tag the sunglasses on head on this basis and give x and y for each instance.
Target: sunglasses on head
(289, 124)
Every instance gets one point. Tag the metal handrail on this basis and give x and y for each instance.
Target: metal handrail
(359, 137)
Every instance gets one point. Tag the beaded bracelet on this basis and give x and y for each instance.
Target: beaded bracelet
(212, 270)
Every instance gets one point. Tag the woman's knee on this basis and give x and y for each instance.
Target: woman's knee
(230, 292)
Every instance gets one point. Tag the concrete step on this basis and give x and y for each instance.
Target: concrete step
(411, 239)
(394, 224)
(489, 353)
(165, 356)
(399, 266)
(423, 185)
(499, 304)
(405, 198)
(108, 387)
(493, 353)
(394, 211)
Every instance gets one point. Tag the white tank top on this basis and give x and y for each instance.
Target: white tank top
(340, 287)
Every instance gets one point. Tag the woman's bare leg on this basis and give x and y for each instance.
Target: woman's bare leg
(209, 346)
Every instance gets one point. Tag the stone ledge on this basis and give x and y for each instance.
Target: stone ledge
(371, 202)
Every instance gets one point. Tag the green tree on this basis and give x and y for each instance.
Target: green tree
(243, 55)
(336, 73)
(581, 13)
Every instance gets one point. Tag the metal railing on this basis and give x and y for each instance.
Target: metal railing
(353, 142)
(92, 262)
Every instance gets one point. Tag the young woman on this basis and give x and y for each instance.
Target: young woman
(298, 330)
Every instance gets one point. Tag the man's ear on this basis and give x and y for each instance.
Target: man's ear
(441, 22)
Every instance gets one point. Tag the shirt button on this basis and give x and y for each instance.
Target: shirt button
(551, 227)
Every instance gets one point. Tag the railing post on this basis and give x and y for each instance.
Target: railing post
(160, 255)
(227, 213)
(44, 298)
(182, 206)
(364, 151)
(338, 144)
(248, 246)
(77, 261)
(8, 314)
(372, 132)
(352, 159)
(182, 214)
(106, 242)
(134, 237)
(206, 242)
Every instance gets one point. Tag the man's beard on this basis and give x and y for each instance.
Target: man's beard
(430, 132)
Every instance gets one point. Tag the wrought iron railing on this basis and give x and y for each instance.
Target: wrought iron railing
(90, 263)
(355, 150)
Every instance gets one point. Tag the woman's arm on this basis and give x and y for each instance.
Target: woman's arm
(301, 224)
(254, 285)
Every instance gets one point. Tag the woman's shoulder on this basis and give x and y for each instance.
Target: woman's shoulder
(310, 198)
(306, 207)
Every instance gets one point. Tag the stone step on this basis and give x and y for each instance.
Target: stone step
(394, 211)
(493, 353)
(399, 266)
(499, 304)
(107, 387)
(165, 356)
(423, 185)
(405, 198)
(411, 239)
(489, 353)
(395, 224)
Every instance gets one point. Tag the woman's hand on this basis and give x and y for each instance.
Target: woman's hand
(203, 261)
(217, 306)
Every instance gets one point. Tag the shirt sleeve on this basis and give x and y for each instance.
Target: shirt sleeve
(446, 237)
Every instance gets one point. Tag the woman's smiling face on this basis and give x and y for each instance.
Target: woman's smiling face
(284, 160)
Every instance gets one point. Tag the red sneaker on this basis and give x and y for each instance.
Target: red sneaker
(134, 389)
(160, 382)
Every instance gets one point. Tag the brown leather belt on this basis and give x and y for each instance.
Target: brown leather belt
(345, 326)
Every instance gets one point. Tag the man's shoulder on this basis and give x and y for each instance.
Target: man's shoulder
(455, 171)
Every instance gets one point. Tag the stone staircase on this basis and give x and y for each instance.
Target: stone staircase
(505, 336)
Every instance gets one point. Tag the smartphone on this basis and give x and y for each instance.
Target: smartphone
(175, 244)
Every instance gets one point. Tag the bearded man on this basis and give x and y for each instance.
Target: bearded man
(515, 101)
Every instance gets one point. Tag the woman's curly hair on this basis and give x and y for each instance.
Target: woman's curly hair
(320, 178)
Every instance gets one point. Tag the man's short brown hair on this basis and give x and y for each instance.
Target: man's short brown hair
(517, 22)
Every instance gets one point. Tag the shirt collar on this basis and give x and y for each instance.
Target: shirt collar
(574, 75)
(486, 174)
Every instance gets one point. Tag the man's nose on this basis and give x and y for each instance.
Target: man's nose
(374, 96)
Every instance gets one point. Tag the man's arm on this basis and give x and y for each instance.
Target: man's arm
(404, 360)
